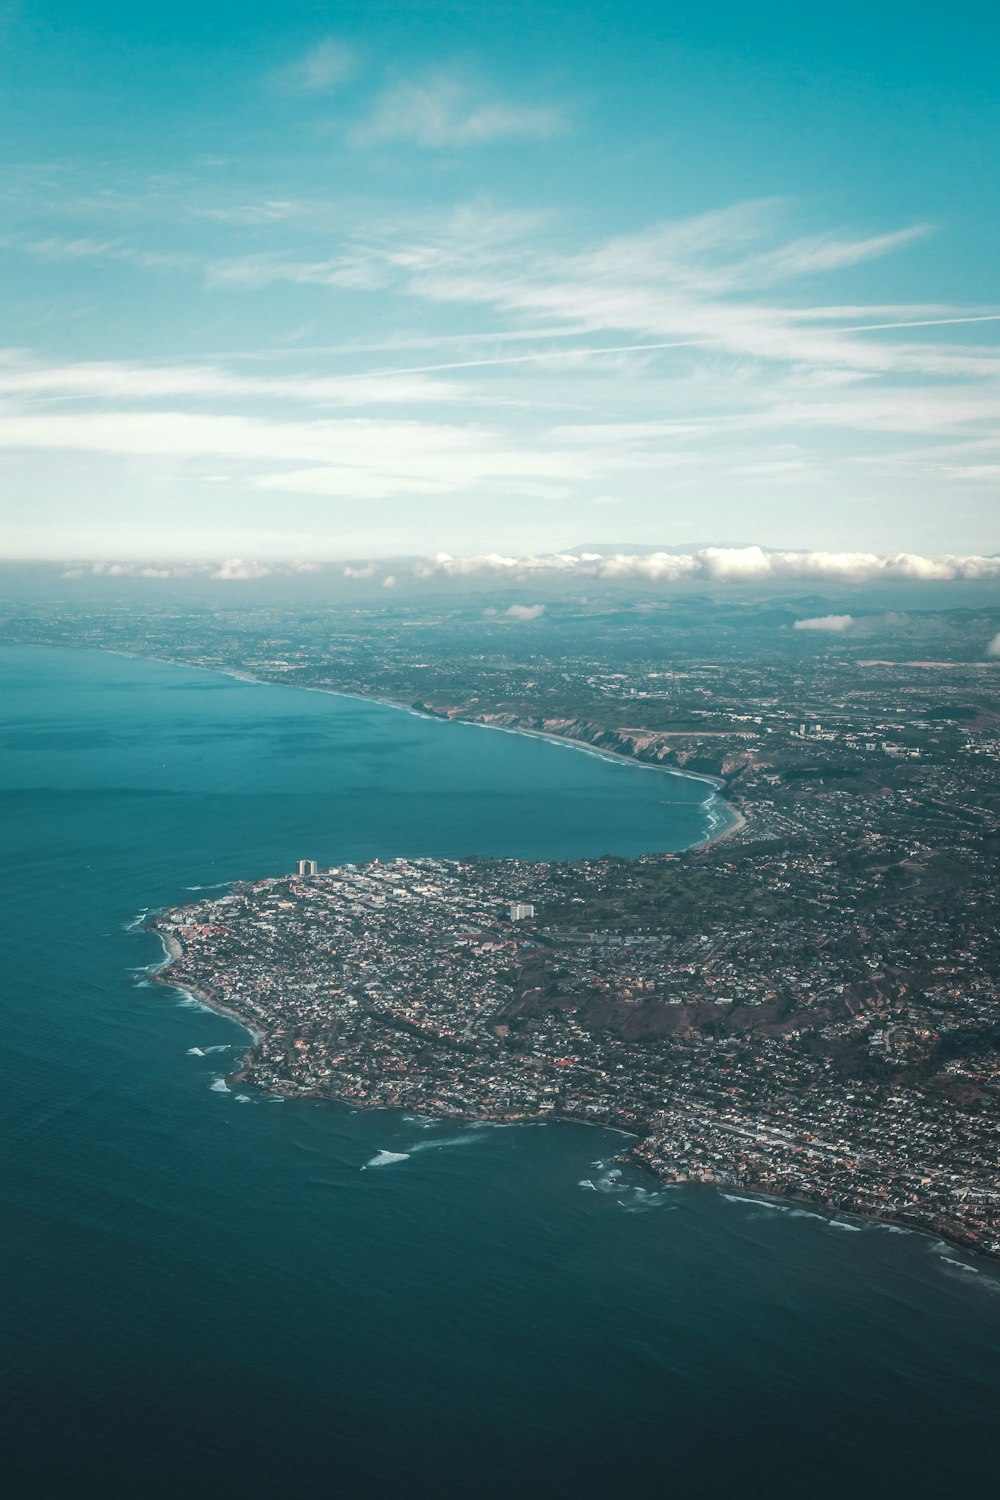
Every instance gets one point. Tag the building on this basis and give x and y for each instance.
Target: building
(519, 910)
(308, 867)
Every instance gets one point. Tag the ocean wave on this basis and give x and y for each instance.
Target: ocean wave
(643, 1200)
(753, 1202)
(586, 1183)
(386, 1158)
(219, 1047)
(611, 1182)
(242, 1099)
(842, 1224)
(220, 1086)
(195, 1052)
(961, 1271)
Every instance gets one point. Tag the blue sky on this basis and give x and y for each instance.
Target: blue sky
(310, 280)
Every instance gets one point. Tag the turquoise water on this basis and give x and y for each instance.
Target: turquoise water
(204, 1295)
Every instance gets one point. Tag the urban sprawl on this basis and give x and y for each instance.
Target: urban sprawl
(805, 1007)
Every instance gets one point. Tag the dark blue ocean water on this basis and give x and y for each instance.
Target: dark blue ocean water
(203, 1296)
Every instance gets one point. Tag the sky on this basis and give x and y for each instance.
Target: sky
(312, 281)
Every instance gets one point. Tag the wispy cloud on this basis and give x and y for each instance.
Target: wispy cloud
(703, 356)
(444, 111)
(323, 68)
(55, 248)
(354, 458)
(132, 383)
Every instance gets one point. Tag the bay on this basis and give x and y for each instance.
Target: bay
(205, 1294)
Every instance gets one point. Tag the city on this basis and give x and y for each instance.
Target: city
(804, 1007)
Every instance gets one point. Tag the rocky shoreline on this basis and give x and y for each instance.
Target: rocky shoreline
(631, 1156)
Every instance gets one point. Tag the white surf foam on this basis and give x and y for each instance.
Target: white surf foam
(195, 1052)
(840, 1224)
(220, 1086)
(386, 1158)
(610, 1183)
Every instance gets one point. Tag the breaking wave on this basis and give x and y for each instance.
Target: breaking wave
(386, 1158)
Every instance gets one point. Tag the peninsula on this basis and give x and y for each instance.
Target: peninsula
(713, 1004)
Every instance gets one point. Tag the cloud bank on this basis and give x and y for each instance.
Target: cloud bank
(720, 565)
(737, 565)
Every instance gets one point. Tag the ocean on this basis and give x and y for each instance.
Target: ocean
(205, 1294)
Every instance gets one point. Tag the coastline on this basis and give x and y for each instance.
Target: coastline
(627, 1157)
(613, 757)
(161, 975)
(734, 822)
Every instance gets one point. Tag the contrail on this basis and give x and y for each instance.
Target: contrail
(539, 356)
(919, 323)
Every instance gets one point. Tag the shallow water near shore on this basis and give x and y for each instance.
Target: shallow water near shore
(210, 1291)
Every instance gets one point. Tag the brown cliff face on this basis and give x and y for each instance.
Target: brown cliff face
(688, 751)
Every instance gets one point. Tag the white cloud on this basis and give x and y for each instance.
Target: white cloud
(234, 570)
(354, 457)
(322, 68)
(836, 624)
(721, 565)
(442, 111)
(134, 382)
(993, 648)
(525, 611)
(128, 570)
(686, 362)
(83, 249)
(389, 581)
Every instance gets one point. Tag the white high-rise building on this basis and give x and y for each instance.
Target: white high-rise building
(308, 867)
(520, 910)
